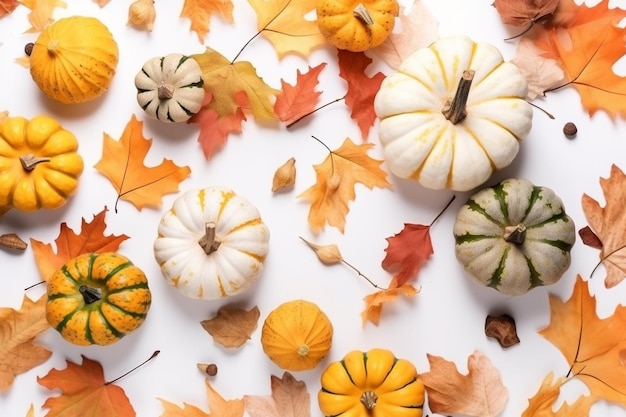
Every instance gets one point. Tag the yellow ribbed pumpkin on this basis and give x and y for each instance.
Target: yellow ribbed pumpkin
(74, 59)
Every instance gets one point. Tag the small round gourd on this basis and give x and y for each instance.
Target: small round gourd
(452, 114)
(514, 236)
(371, 384)
(74, 59)
(39, 163)
(356, 25)
(170, 88)
(211, 244)
(297, 335)
(97, 299)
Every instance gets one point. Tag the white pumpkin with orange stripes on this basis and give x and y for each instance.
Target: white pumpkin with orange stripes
(211, 244)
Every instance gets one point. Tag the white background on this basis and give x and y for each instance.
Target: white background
(445, 319)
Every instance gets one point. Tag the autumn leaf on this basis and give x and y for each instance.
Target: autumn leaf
(122, 162)
(289, 398)
(199, 12)
(541, 73)
(31, 411)
(607, 224)
(8, 6)
(69, 244)
(296, 101)
(361, 88)
(593, 347)
(374, 302)
(40, 14)
(543, 402)
(84, 392)
(479, 393)
(524, 12)
(18, 329)
(336, 178)
(231, 327)
(285, 24)
(218, 405)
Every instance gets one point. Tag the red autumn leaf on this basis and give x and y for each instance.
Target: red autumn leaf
(407, 251)
(7, 6)
(361, 88)
(296, 101)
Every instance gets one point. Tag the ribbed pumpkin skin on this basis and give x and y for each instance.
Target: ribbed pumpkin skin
(124, 304)
(297, 335)
(395, 382)
(512, 268)
(74, 59)
(50, 183)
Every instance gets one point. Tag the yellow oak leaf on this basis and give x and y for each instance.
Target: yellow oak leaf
(285, 24)
(40, 14)
(122, 162)
(542, 403)
(225, 80)
(218, 405)
(18, 329)
(336, 178)
(200, 12)
(593, 347)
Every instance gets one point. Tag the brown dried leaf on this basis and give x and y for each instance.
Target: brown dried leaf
(289, 398)
(541, 73)
(231, 327)
(524, 12)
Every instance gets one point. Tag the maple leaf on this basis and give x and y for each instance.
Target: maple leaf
(541, 73)
(297, 101)
(479, 393)
(593, 347)
(361, 88)
(607, 223)
(84, 392)
(289, 398)
(231, 327)
(200, 12)
(40, 14)
(122, 164)
(542, 403)
(69, 244)
(524, 12)
(18, 329)
(336, 178)
(284, 24)
(8, 6)
(374, 302)
(219, 406)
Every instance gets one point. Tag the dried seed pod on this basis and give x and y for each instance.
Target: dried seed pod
(285, 175)
(142, 14)
(503, 329)
(208, 368)
(327, 254)
(12, 241)
(570, 129)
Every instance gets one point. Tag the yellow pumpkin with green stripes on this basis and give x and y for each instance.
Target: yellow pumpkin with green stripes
(514, 236)
(96, 299)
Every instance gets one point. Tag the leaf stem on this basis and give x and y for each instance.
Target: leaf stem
(154, 355)
(314, 110)
(442, 211)
(361, 274)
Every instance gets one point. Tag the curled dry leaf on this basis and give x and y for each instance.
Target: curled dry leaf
(142, 14)
(284, 176)
(542, 403)
(503, 329)
(231, 327)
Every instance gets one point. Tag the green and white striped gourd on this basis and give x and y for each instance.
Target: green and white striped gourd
(514, 236)
(170, 88)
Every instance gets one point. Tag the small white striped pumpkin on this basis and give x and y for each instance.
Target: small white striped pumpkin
(514, 237)
(170, 88)
(211, 244)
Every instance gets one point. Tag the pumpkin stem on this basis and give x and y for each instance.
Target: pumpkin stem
(515, 234)
(361, 13)
(303, 350)
(369, 399)
(29, 161)
(455, 110)
(165, 91)
(53, 45)
(209, 242)
(90, 294)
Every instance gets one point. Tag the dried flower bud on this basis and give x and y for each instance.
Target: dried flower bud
(503, 329)
(12, 241)
(208, 368)
(142, 14)
(285, 175)
(327, 254)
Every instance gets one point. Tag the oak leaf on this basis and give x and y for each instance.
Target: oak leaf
(18, 329)
(218, 405)
(84, 392)
(541, 73)
(298, 100)
(40, 14)
(607, 224)
(69, 244)
(122, 163)
(375, 301)
(543, 402)
(8, 6)
(231, 327)
(479, 393)
(285, 24)
(289, 398)
(593, 347)
(336, 178)
(524, 12)
(199, 12)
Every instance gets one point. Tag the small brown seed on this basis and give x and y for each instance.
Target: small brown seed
(208, 368)
(570, 129)
(28, 48)
(12, 241)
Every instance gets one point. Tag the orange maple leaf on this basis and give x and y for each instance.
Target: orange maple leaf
(122, 163)
(8, 6)
(361, 88)
(296, 101)
(542, 403)
(200, 12)
(593, 347)
(18, 329)
(84, 392)
(40, 14)
(91, 239)
(336, 177)
(219, 406)
(289, 398)
(374, 302)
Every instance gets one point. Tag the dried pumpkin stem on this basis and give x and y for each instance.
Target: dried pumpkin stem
(369, 399)
(303, 350)
(90, 294)
(209, 242)
(515, 234)
(456, 110)
(165, 91)
(29, 161)
(361, 13)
